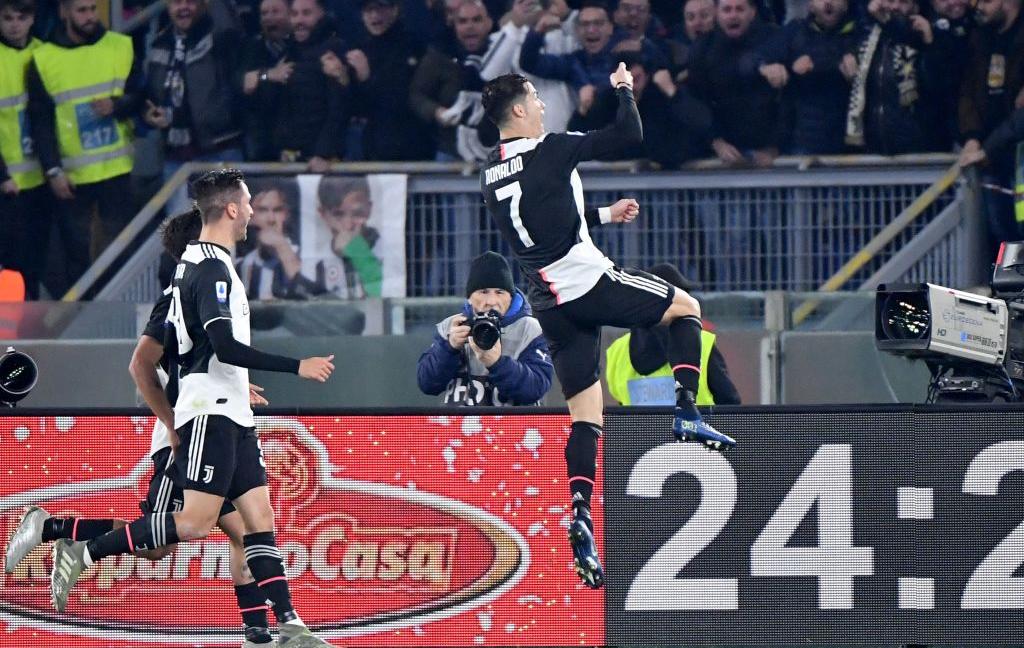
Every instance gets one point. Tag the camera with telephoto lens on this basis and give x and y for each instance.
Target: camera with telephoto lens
(485, 329)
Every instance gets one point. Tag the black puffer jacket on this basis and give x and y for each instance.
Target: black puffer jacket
(211, 81)
(724, 74)
(817, 100)
(392, 131)
(312, 107)
(899, 114)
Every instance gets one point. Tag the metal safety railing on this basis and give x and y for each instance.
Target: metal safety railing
(790, 227)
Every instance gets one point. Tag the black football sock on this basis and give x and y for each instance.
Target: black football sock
(252, 605)
(148, 532)
(264, 560)
(75, 528)
(684, 356)
(581, 461)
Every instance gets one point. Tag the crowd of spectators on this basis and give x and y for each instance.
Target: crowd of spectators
(318, 81)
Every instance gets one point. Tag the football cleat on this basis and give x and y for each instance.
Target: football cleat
(27, 536)
(584, 552)
(294, 635)
(68, 565)
(700, 432)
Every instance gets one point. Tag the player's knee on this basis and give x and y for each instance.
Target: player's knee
(690, 304)
(193, 526)
(259, 518)
(684, 305)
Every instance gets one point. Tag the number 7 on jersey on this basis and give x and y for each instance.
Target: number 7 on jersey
(515, 192)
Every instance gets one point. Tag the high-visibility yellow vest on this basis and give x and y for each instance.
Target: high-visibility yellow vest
(1018, 189)
(92, 148)
(658, 388)
(15, 137)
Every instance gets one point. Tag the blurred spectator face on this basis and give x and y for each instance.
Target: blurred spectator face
(451, 7)
(952, 9)
(735, 16)
(80, 17)
(828, 13)
(595, 30)
(274, 20)
(15, 25)
(269, 211)
(698, 18)
(472, 24)
(902, 7)
(185, 13)
(305, 15)
(633, 16)
(990, 12)
(350, 216)
(378, 17)
(487, 299)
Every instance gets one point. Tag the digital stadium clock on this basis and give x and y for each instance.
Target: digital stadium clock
(873, 526)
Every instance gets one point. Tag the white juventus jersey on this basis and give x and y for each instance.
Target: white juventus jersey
(206, 288)
(161, 438)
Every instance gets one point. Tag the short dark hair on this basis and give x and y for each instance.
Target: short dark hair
(333, 189)
(214, 190)
(177, 231)
(19, 6)
(499, 94)
(596, 4)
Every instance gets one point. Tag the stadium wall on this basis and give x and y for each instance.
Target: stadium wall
(817, 367)
(866, 526)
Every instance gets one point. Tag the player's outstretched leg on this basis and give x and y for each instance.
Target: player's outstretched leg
(37, 526)
(71, 558)
(581, 461)
(684, 352)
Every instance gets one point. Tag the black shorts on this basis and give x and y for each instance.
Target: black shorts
(623, 297)
(164, 495)
(218, 456)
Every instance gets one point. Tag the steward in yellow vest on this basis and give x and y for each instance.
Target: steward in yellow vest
(82, 91)
(18, 161)
(24, 201)
(638, 372)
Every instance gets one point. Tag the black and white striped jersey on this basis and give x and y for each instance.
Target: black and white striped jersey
(205, 289)
(534, 194)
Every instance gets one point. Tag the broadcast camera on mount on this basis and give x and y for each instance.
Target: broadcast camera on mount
(18, 374)
(973, 345)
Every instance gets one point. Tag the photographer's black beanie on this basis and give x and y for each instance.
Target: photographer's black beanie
(489, 270)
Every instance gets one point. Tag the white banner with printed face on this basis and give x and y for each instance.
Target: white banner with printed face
(323, 236)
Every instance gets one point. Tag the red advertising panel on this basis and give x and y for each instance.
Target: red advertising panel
(397, 531)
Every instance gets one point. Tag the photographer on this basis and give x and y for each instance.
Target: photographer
(492, 353)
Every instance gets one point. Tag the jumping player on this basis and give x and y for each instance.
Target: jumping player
(534, 194)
